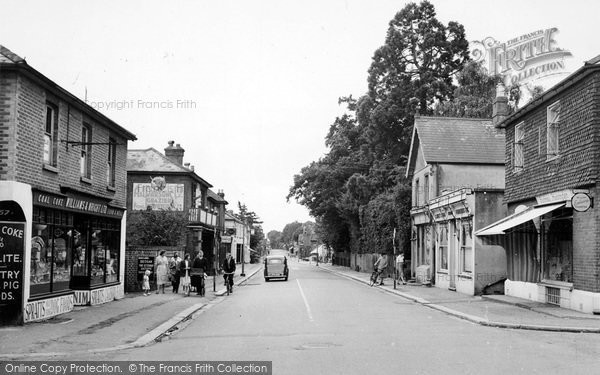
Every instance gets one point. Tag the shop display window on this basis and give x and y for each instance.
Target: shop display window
(50, 268)
(105, 238)
(558, 246)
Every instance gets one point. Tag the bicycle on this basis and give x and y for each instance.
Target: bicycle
(374, 277)
(228, 281)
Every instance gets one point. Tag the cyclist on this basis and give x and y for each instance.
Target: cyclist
(198, 273)
(229, 269)
(380, 266)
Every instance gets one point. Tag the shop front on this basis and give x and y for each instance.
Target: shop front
(549, 243)
(72, 251)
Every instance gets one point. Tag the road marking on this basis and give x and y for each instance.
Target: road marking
(310, 317)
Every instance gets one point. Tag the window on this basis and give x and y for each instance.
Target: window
(426, 190)
(51, 135)
(557, 246)
(443, 246)
(51, 246)
(518, 148)
(466, 248)
(417, 192)
(110, 164)
(552, 130)
(86, 151)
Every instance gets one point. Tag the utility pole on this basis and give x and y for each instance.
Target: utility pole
(243, 246)
(394, 259)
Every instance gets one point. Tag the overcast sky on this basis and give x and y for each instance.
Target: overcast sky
(248, 88)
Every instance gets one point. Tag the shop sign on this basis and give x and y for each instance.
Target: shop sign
(12, 244)
(145, 263)
(75, 204)
(557, 196)
(47, 308)
(81, 297)
(581, 202)
(523, 59)
(158, 195)
(226, 239)
(103, 295)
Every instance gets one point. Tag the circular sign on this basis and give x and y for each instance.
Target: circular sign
(581, 202)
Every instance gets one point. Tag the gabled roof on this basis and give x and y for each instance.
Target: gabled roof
(152, 161)
(11, 61)
(455, 140)
(215, 197)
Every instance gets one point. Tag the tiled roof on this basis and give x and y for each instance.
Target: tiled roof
(216, 197)
(7, 56)
(460, 140)
(150, 160)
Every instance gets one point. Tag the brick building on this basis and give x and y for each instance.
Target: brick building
(552, 235)
(457, 169)
(62, 198)
(164, 183)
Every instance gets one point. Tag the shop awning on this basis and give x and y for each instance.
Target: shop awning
(502, 225)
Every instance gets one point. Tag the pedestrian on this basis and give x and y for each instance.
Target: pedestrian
(161, 270)
(199, 268)
(380, 265)
(174, 271)
(146, 283)
(185, 267)
(229, 269)
(400, 268)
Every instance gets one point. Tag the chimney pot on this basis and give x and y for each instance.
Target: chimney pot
(174, 154)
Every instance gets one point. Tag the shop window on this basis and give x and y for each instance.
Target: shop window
(104, 252)
(552, 130)
(443, 246)
(80, 263)
(86, 151)
(51, 244)
(518, 161)
(557, 246)
(51, 135)
(110, 164)
(466, 248)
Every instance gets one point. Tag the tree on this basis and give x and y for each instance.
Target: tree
(410, 72)
(274, 237)
(474, 96)
(156, 228)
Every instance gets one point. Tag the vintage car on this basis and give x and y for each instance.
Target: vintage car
(276, 267)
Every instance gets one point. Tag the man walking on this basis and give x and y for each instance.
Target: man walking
(174, 271)
(380, 265)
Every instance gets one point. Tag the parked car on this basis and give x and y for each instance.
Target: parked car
(276, 267)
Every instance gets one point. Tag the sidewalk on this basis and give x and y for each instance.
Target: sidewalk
(493, 310)
(133, 321)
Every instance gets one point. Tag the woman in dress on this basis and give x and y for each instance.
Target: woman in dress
(161, 271)
(185, 267)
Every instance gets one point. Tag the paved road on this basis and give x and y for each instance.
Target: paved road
(320, 323)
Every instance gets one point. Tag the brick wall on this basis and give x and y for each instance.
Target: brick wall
(586, 257)
(8, 84)
(132, 284)
(579, 145)
(30, 120)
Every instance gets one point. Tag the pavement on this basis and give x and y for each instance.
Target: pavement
(133, 321)
(492, 310)
(138, 320)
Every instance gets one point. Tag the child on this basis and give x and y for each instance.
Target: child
(146, 283)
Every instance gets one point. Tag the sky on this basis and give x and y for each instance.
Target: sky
(248, 88)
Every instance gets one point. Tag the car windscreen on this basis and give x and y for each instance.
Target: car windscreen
(275, 261)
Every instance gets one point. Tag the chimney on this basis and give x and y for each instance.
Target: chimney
(192, 168)
(174, 153)
(221, 194)
(499, 106)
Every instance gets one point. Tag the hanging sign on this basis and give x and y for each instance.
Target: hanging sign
(581, 202)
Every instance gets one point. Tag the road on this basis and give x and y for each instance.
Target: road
(321, 323)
